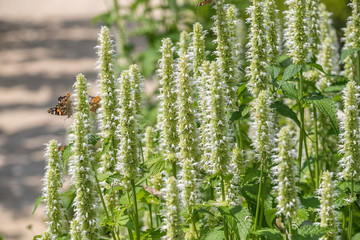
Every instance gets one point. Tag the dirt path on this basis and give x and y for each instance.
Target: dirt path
(43, 45)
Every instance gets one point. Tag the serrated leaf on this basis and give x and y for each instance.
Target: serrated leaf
(270, 234)
(274, 71)
(309, 202)
(285, 111)
(93, 139)
(327, 106)
(239, 219)
(334, 88)
(347, 52)
(291, 71)
(310, 232)
(37, 202)
(215, 234)
(125, 221)
(301, 216)
(270, 215)
(290, 90)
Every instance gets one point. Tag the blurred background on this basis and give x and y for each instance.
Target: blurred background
(43, 45)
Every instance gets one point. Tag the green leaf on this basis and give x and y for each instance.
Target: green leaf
(327, 106)
(291, 71)
(106, 18)
(317, 66)
(270, 215)
(93, 139)
(301, 216)
(334, 88)
(239, 219)
(154, 165)
(309, 232)
(269, 234)
(37, 202)
(309, 202)
(356, 237)
(66, 154)
(285, 111)
(274, 71)
(103, 176)
(215, 234)
(347, 52)
(290, 90)
(34, 238)
(125, 221)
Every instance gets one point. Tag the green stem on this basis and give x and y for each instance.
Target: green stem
(301, 110)
(259, 197)
(136, 220)
(351, 210)
(226, 230)
(174, 168)
(194, 224)
(102, 199)
(317, 164)
(308, 163)
(358, 68)
(151, 219)
(129, 213)
(290, 229)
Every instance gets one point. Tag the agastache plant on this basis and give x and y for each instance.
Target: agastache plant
(198, 49)
(84, 224)
(352, 36)
(52, 184)
(224, 53)
(167, 118)
(108, 115)
(350, 135)
(172, 211)
(272, 28)
(189, 152)
(285, 171)
(313, 20)
(256, 55)
(295, 33)
(327, 196)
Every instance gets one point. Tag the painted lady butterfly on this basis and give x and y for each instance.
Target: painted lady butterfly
(94, 103)
(205, 2)
(63, 107)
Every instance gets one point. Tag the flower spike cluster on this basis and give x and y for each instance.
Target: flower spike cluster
(198, 49)
(263, 128)
(128, 158)
(52, 183)
(256, 72)
(350, 133)
(84, 224)
(108, 115)
(327, 196)
(172, 215)
(167, 118)
(285, 170)
(272, 27)
(313, 23)
(295, 33)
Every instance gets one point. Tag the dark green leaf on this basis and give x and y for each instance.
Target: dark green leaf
(37, 202)
(290, 90)
(309, 202)
(125, 221)
(301, 216)
(93, 139)
(291, 71)
(285, 111)
(317, 66)
(269, 234)
(274, 71)
(327, 106)
(309, 232)
(347, 52)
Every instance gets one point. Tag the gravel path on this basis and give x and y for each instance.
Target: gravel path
(43, 45)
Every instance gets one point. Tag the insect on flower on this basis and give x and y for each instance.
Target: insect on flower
(94, 103)
(205, 2)
(63, 107)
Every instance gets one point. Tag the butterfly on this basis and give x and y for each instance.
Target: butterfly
(64, 106)
(94, 103)
(205, 2)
